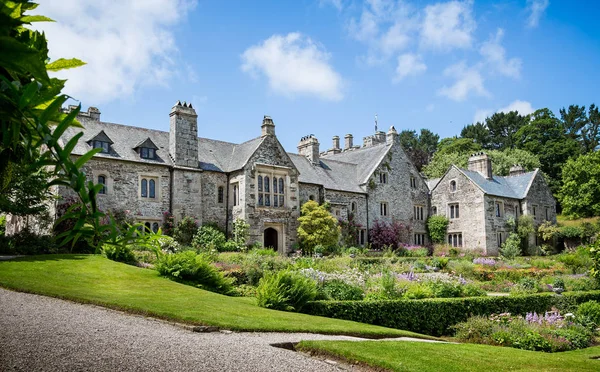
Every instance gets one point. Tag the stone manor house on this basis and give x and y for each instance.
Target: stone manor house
(149, 172)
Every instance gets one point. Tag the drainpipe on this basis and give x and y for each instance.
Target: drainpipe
(171, 193)
(227, 207)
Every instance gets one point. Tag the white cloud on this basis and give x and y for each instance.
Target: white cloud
(409, 65)
(495, 55)
(467, 80)
(334, 3)
(294, 64)
(447, 26)
(523, 107)
(537, 9)
(126, 44)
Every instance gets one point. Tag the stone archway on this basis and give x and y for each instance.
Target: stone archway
(271, 238)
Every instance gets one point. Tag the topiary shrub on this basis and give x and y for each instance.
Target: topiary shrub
(437, 226)
(285, 290)
(189, 267)
(209, 237)
(185, 230)
(119, 253)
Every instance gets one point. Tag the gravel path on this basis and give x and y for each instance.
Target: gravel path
(41, 333)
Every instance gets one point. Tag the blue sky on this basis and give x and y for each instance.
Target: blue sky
(325, 67)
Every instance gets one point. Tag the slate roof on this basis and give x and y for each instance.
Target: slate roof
(432, 182)
(515, 187)
(366, 159)
(344, 172)
(332, 174)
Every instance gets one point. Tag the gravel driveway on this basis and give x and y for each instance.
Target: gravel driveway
(41, 333)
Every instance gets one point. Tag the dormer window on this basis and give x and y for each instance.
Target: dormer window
(146, 149)
(147, 153)
(105, 146)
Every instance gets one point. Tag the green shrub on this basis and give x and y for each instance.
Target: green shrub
(417, 291)
(339, 290)
(588, 313)
(190, 267)
(511, 248)
(436, 316)
(229, 246)
(208, 237)
(285, 290)
(27, 243)
(119, 253)
(577, 262)
(2, 225)
(437, 225)
(185, 230)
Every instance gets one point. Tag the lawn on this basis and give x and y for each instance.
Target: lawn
(420, 356)
(565, 221)
(97, 280)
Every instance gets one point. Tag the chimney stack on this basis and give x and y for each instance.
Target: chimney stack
(348, 141)
(183, 135)
(309, 147)
(391, 136)
(515, 170)
(267, 127)
(481, 162)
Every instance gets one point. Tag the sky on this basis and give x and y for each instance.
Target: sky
(324, 67)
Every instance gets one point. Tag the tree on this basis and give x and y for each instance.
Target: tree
(590, 133)
(580, 191)
(478, 132)
(419, 147)
(573, 120)
(317, 227)
(437, 226)
(25, 193)
(503, 128)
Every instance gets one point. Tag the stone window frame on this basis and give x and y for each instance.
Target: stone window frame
(433, 210)
(499, 236)
(455, 239)
(453, 185)
(353, 207)
(221, 194)
(413, 182)
(383, 209)
(419, 238)
(108, 185)
(157, 189)
(101, 181)
(499, 211)
(453, 211)
(150, 223)
(419, 212)
(282, 193)
(534, 211)
(547, 210)
(361, 238)
(383, 177)
(235, 193)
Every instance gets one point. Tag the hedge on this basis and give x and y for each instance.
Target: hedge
(436, 316)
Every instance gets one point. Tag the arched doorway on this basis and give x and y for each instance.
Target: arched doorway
(271, 239)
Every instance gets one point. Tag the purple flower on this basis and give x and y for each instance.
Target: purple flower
(484, 261)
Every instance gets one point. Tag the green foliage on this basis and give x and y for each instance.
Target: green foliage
(436, 316)
(285, 290)
(317, 227)
(571, 232)
(189, 267)
(27, 243)
(185, 230)
(119, 253)
(511, 248)
(208, 237)
(350, 230)
(419, 147)
(2, 225)
(437, 225)
(595, 256)
(580, 191)
(338, 290)
(589, 312)
(240, 233)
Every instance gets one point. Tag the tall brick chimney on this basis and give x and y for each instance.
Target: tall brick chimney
(183, 135)
(309, 147)
(481, 162)
(348, 141)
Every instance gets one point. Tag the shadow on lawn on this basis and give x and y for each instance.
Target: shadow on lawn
(50, 257)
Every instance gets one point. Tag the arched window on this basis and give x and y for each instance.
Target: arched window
(152, 193)
(452, 185)
(144, 188)
(102, 181)
(220, 194)
(353, 207)
(147, 225)
(155, 227)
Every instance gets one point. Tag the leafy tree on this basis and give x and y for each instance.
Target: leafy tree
(503, 128)
(580, 191)
(573, 120)
(419, 147)
(478, 132)
(457, 145)
(31, 123)
(383, 234)
(590, 133)
(317, 227)
(25, 193)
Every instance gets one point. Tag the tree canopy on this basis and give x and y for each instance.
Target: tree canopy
(580, 191)
(317, 226)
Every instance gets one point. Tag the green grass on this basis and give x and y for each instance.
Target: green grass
(97, 280)
(565, 221)
(421, 356)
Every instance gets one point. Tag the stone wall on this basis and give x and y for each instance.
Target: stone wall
(188, 194)
(397, 192)
(471, 223)
(509, 208)
(212, 210)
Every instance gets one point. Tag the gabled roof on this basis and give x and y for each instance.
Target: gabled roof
(366, 159)
(100, 136)
(432, 183)
(515, 187)
(147, 143)
(331, 174)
